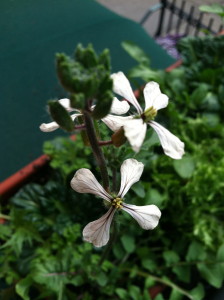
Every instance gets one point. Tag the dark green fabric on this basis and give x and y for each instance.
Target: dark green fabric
(31, 32)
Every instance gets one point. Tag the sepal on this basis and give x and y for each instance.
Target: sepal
(60, 115)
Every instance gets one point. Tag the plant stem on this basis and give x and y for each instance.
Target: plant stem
(5, 217)
(163, 281)
(80, 127)
(105, 143)
(90, 130)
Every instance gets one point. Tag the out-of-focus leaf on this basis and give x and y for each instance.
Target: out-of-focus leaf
(136, 52)
(185, 166)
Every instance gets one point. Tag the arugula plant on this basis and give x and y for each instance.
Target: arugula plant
(43, 255)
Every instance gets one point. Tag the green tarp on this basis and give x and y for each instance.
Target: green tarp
(31, 32)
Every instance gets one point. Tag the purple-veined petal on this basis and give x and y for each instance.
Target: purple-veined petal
(119, 107)
(154, 97)
(147, 216)
(115, 122)
(98, 232)
(131, 171)
(171, 144)
(135, 131)
(122, 87)
(85, 182)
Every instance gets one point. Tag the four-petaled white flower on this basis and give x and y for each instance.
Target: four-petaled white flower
(135, 126)
(117, 107)
(97, 232)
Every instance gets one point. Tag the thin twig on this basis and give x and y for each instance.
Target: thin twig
(163, 281)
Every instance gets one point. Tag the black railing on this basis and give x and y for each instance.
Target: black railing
(180, 20)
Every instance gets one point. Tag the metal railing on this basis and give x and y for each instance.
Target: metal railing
(179, 19)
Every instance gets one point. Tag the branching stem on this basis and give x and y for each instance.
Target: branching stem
(91, 133)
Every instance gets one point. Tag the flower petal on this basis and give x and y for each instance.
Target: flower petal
(48, 127)
(119, 107)
(98, 232)
(154, 97)
(122, 87)
(147, 216)
(85, 182)
(131, 171)
(66, 104)
(171, 144)
(115, 122)
(135, 131)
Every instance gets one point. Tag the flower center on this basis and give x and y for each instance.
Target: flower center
(149, 114)
(117, 203)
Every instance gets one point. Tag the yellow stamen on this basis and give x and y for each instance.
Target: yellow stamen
(117, 202)
(149, 114)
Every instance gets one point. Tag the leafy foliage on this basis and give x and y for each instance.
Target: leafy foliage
(42, 253)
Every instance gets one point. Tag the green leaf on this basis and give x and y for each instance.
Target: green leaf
(118, 251)
(77, 100)
(144, 72)
(196, 251)
(175, 295)
(122, 293)
(149, 264)
(135, 52)
(153, 196)
(146, 295)
(214, 8)
(212, 273)
(170, 257)
(183, 273)
(159, 297)
(102, 279)
(199, 94)
(184, 167)
(23, 286)
(134, 292)
(128, 243)
(61, 116)
(103, 106)
(198, 293)
(139, 190)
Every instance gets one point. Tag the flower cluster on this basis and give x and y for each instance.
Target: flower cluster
(97, 232)
(134, 127)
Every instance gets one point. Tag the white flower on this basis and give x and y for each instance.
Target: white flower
(97, 232)
(135, 126)
(117, 107)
